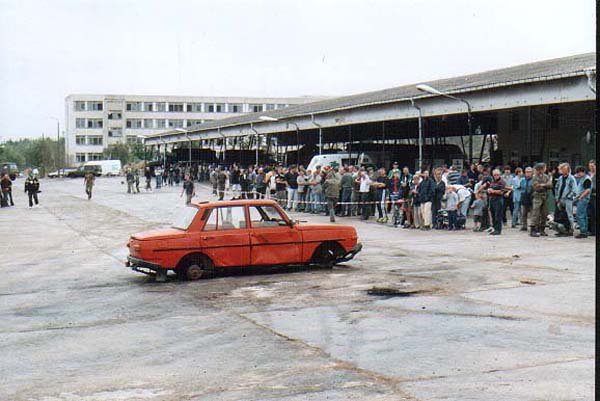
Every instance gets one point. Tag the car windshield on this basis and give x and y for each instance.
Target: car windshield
(184, 218)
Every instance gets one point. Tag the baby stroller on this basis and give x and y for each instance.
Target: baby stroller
(461, 221)
(442, 220)
(560, 222)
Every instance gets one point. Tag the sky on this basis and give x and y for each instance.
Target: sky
(50, 49)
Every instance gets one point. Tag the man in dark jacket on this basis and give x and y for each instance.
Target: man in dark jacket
(6, 185)
(32, 187)
(425, 194)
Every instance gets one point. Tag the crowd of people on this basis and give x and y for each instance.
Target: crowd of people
(438, 198)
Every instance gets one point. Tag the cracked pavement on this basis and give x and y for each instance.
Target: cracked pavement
(504, 318)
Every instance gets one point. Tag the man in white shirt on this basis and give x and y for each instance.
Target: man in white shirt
(363, 191)
(464, 198)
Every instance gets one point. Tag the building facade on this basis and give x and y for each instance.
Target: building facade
(93, 122)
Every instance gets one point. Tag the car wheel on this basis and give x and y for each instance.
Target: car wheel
(194, 267)
(326, 255)
(193, 272)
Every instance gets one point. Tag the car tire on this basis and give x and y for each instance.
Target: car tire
(194, 272)
(194, 268)
(327, 254)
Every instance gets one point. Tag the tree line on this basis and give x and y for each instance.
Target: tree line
(47, 155)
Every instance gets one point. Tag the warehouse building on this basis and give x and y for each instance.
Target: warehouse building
(522, 114)
(95, 121)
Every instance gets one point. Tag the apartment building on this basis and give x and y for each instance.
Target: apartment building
(92, 122)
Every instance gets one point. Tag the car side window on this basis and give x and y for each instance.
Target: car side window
(226, 218)
(265, 216)
(211, 221)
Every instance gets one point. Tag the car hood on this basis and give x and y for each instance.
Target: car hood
(159, 234)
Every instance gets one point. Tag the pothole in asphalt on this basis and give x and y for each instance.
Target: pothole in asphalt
(393, 292)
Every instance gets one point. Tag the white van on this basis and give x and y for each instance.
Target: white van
(107, 167)
(340, 159)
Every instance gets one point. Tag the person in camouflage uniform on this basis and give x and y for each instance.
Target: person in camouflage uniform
(541, 184)
(88, 182)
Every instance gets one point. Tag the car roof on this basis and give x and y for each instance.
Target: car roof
(240, 202)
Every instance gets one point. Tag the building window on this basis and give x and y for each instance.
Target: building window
(173, 123)
(94, 123)
(219, 108)
(281, 106)
(80, 123)
(161, 123)
(189, 123)
(148, 123)
(514, 120)
(194, 107)
(133, 139)
(175, 107)
(270, 107)
(115, 132)
(235, 108)
(95, 140)
(79, 140)
(79, 106)
(80, 157)
(161, 106)
(94, 106)
(94, 156)
(211, 108)
(148, 106)
(133, 123)
(115, 115)
(256, 108)
(133, 106)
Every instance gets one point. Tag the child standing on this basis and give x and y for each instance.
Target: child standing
(478, 206)
(451, 207)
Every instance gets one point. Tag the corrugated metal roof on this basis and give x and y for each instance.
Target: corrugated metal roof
(521, 74)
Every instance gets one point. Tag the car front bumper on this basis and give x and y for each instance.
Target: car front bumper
(351, 254)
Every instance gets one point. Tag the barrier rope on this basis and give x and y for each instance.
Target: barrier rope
(228, 191)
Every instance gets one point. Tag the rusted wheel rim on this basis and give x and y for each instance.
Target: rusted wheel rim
(194, 272)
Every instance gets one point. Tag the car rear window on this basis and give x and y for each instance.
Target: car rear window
(184, 218)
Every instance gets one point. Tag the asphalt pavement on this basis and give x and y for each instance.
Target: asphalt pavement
(486, 318)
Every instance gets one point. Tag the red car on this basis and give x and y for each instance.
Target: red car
(209, 236)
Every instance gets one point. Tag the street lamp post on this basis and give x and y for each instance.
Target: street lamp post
(256, 140)
(265, 118)
(433, 91)
(312, 118)
(412, 102)
(297, 141)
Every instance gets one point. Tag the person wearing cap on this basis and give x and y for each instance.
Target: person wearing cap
(393, 170)
(541, 183)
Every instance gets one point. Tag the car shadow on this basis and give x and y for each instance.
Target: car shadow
(242, 272)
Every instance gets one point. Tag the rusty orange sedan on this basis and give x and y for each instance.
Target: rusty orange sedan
(209, 236)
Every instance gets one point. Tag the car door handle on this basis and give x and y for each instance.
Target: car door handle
(208, 237)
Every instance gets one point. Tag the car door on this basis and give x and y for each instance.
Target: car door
(273, 240)
(225, 237)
